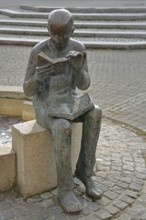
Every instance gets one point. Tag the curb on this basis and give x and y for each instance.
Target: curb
(85, 9)
(77, 33)
(97, 25)
(78, 16)
(88, 45)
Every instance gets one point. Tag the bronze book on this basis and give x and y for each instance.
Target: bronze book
(72, 110)
(60, 64)
(44, 58)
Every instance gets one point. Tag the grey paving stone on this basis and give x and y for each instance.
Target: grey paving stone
(46, 195)
(120, 204)
(135, 186)
(128, 172)
(16, 202)
(123, 184)
(140, 164)
(114, 175)
(103, 214)
(46, 203)
(111, 195)
(41, 215)
(104, 167)
(127, 199)
(34, 199)
(94, 206)
(54, 191)
(141, 169)
(124, 216)
(132, 194)
(127, 167)
(116, 168)
(104, 201)
(92, 217)
(108, 183)
(139, 216)
(20, 211)
(74, 217)
(117, 189)
(7, 214)
(126, 179)
(5, 205)
(112, 209)
(62, 216)
(139, 181)
(55, 210)
(51, 218)
(86, 211)
(28, 217)
(136, 210)
(98, 178)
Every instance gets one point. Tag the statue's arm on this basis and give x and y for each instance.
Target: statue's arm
(31, 84)
(82, 78)
(78, 60)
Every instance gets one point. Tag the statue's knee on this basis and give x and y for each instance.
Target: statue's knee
(62, 126)
(96, 112)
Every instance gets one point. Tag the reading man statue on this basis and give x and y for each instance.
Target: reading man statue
(56, 67)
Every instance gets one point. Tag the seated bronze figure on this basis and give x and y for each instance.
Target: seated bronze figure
(57, 66)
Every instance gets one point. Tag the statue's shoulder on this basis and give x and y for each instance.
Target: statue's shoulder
(76, 45)
(40, 46)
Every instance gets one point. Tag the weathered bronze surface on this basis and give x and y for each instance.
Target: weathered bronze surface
(56, 67)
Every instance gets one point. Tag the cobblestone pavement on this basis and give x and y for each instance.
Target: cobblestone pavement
(120, 173)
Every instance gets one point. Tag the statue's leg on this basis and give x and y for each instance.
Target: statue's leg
(61, 130)
(86, 161)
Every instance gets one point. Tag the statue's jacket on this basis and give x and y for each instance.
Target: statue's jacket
(57, 94)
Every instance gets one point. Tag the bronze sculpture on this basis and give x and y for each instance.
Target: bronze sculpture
(56, 67)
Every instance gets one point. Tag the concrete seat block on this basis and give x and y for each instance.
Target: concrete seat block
(28, 112)
(12, 92)
(11, 107)
(7, 168)
(34, 147)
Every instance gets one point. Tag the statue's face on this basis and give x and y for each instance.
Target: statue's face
(60, 35)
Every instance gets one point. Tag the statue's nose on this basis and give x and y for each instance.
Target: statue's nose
(59, 38)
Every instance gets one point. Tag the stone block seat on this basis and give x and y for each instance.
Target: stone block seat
(7, 168)
(36, 168)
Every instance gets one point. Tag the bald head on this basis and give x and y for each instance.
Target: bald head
(60, 27)
(59, 19)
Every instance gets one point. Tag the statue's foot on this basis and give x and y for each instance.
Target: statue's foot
(91, 187)
(69, 201)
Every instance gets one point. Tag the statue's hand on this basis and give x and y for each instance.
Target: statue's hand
(43, 72)
(77, 60)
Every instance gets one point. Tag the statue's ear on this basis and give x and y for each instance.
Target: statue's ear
(48, 29)
(73, 28)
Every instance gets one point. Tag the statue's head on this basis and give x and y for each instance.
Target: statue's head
(60, 27)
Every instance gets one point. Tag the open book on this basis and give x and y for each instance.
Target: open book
(71, 110)
(45, 59)
(60, 64)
